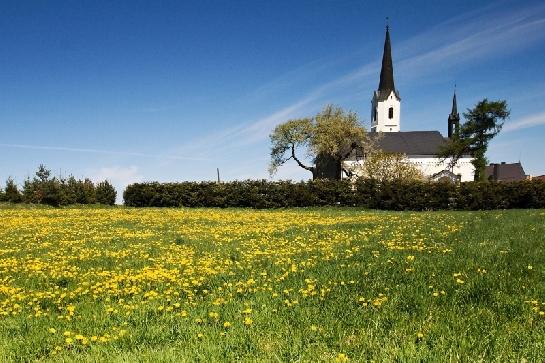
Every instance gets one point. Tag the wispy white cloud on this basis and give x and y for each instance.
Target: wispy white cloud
(457, 41)
(525, 122)
(117, 175)
(99, 151)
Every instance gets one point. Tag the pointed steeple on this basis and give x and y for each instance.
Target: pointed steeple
(386, 103)
(454, 118)
(454, 111)
(386, 84)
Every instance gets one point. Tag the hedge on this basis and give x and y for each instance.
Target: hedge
(363, 193)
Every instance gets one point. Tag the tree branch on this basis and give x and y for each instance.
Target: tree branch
(309, 168)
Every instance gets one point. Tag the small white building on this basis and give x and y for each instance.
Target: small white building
(420, 147)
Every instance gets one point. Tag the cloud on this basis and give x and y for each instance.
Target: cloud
(119, 176)
(459, 40)
(99, 151)
(525, 122)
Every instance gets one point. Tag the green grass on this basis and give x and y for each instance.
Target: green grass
(382, 286)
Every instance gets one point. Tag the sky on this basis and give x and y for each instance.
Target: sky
(134, 91)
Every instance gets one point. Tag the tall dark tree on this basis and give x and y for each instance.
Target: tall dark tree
(12, 193)
(483, 123)
(105, 193)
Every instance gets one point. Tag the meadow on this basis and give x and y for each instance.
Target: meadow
(173, 285)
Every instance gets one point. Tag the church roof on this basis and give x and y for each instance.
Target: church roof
(410, 142)
(454, 113)
(386, 84)
(424, 143)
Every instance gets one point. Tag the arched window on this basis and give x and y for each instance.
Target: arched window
(391, 113)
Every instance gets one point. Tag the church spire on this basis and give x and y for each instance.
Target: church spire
(386, 103)
(387, 71)
(454, 111)
(454, 118)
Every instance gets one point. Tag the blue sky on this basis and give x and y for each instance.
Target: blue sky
(171, 90)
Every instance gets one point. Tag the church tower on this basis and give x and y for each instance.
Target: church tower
(385, 109)
(454, 119)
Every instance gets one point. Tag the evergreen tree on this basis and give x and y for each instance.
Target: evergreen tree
(483, 123)
(11, 193)
(105, 193)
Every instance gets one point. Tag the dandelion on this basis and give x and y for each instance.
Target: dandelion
(341, 357)
(226, 325)
(248, 321)
(52, 330)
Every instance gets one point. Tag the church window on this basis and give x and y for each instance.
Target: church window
(391, 113)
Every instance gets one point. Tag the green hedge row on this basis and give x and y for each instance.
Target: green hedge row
(363, 193)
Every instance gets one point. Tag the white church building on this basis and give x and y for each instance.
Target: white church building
(420, 147)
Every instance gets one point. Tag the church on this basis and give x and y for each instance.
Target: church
(420, 147)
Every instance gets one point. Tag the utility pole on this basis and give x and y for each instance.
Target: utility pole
(218, 170)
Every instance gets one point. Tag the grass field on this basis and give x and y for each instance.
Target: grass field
(117, 284)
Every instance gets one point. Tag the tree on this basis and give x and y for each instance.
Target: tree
(382, 166)
(42, 189)
(11, 193)
(105, 193)
(483, 123)
(328, 139)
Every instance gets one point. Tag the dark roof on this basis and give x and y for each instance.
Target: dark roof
(454, 113)
(410, 142)
(386, 84)
(505, 172)
(426, 143)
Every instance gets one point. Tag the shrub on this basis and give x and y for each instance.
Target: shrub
(367, 193)
(11, 193)
(105, 193)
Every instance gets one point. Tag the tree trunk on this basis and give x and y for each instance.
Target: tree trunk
(327, 167)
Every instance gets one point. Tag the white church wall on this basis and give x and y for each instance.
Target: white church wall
(431, 166)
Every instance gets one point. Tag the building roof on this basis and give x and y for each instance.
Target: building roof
(424, 143)
(505, 172)
(386, 84)
(454, 113)
(410, 142)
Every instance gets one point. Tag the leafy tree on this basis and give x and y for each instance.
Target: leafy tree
(42, 189)
(11, 193)
(105, 193)
(483, 123)
(387, 167)
(327, 138)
